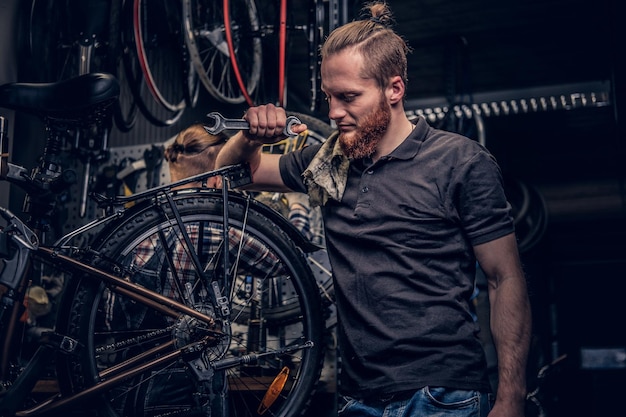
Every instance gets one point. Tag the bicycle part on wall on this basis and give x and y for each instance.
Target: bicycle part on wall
(159, 43)
(125, 109)
(156, 69)
(316, 32)
(65, 38)
(61, 44)
(288, 29)
(140, 42)
(206, 38)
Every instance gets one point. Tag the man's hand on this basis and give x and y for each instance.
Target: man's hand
(267, 124)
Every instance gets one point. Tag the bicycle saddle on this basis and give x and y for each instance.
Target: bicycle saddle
(67, 99)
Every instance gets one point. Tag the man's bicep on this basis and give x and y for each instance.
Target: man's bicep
(499, 258)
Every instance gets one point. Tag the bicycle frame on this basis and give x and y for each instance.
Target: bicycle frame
(13, 280)
(192, 330)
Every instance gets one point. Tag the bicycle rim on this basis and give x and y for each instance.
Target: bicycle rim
(157, 42)
(274, 306)
(133, 77)
(125, 109)
(209, 52)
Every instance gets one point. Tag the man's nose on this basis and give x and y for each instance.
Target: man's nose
(335, 110)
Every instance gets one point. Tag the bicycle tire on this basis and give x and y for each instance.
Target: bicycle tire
(317, 129)
(152, 111)
(205, 37)
(125, 109)
(101, 340)
(157, 41)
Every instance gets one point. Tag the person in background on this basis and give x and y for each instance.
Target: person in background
(408, 211)
(193, 152)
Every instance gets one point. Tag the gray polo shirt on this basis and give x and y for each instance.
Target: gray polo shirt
(400, 245)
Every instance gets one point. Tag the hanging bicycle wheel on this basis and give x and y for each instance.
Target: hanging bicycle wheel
(125, 109)
(63, 45)
(133, 76)
(157, 33)
(258, 349)
(206, 39)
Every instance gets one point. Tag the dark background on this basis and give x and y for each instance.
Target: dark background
(571, 159)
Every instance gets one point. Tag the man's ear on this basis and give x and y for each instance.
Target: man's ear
(395, 90)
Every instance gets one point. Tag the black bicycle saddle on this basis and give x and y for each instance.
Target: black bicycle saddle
(67, 99)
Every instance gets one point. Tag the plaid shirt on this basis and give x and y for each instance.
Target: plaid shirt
(255, 258)
(150, 265)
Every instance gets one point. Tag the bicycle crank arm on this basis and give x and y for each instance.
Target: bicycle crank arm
(220, 123)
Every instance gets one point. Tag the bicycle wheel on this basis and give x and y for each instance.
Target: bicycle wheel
(274, 311)
(133, 77)
(157, 30)
(206, 39)
(317, 130)
(64, 44)
(125, 109)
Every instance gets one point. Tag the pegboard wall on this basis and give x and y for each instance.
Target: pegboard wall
(125, 171)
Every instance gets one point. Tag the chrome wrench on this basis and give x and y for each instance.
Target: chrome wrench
(220, 123)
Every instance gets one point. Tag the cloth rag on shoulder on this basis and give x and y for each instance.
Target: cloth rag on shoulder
(327, 174)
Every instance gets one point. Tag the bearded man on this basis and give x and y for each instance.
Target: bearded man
(408, 213)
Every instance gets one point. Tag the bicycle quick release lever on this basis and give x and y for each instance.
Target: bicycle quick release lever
(220, 123)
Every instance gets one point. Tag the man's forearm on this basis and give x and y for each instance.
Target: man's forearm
(511, 329)
(239, 149)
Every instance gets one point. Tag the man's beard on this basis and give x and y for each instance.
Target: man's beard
(362, 142)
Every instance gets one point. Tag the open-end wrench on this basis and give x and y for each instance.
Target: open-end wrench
(220, 123)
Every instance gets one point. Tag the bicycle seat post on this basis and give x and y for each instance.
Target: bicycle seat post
(49, 178)
(74, 106)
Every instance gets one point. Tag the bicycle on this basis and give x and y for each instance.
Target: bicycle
(203, 293)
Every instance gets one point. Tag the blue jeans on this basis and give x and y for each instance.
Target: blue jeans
(428, 401)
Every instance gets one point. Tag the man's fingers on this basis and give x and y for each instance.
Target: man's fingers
(266, 121)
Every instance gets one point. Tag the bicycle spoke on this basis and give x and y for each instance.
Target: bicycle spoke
(211, 53)
(226, 363)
